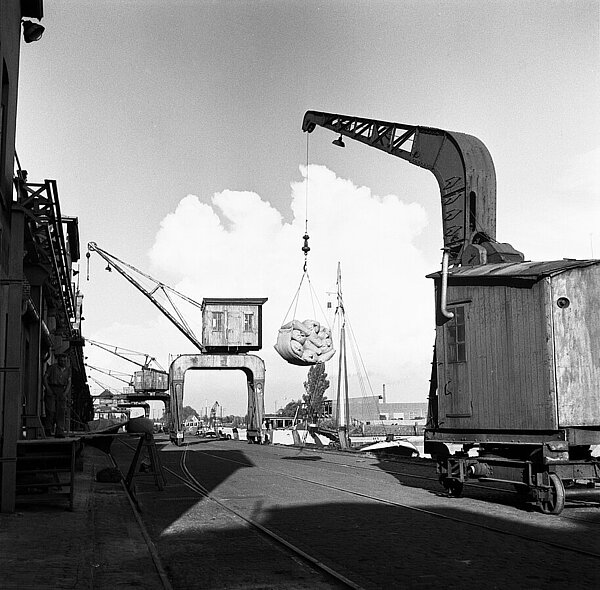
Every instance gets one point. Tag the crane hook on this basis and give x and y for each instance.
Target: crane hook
(305, 249)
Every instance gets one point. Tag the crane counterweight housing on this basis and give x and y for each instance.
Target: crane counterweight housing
(514, 392)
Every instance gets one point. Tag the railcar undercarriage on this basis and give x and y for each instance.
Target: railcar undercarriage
(544, 473)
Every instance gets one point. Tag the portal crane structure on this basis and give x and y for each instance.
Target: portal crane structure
(133, 275)
(148, 379)
(462, 166)
(232, 328)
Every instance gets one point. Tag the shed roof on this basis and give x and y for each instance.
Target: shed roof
(528, 271)
(234, 301)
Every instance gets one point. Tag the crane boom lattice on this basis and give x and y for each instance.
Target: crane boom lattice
(133, 275)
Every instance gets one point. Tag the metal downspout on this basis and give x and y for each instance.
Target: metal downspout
(443, 296)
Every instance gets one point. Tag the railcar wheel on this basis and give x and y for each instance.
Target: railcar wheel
(556, 503)
(454, 487)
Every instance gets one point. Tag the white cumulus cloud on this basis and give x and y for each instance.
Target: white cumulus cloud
(240, 246)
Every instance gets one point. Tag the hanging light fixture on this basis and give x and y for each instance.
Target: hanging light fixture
(32, 31)
(108, 268)
(339, 142)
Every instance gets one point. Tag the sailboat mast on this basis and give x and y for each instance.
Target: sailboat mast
(343, 407)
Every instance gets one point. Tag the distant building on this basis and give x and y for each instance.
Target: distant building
(403, 411)
(193, 422)
(370, 409)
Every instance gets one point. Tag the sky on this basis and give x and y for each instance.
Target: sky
(173, 130)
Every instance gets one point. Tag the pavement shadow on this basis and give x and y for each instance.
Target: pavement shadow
(443, 543)
(421, 473)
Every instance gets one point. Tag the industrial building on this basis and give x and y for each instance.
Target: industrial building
(40, 304)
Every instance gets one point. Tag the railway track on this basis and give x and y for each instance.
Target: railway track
(192, 483)
(487, 487)
(510, 533)
(224, 479)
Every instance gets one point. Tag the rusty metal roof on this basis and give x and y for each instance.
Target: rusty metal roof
(529, 271)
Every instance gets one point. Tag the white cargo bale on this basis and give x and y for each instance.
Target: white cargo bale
(304, 343)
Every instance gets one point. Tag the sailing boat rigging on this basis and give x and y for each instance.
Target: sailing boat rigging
(342, 411)
(342, 414)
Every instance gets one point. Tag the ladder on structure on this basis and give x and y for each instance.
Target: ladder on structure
(148, 444)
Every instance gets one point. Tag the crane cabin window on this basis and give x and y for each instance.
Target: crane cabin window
(248, 322)
(455, 336)
(218, 321)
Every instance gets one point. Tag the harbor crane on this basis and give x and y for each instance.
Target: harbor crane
(232, 327)
(213, 416)
(148, 379)
(118, 375)
(514, 378)
(126, 354)
(462, 166)
(134, 276)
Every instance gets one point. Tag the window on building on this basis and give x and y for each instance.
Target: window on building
(248, 322)
(457, 349)
(218, 321)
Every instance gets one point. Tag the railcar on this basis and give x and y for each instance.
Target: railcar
(516, 378)
(516, 372)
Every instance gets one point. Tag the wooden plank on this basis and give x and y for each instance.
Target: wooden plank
(576, 343)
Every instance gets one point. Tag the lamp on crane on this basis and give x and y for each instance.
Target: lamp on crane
(339, 142)
(32, 31)
(108, 268)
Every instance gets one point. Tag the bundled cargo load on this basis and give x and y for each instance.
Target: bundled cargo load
(308, 342)
(304, 343)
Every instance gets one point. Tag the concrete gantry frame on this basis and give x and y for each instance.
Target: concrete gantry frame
(254, 368)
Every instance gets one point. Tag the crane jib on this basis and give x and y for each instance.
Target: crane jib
(461, 164)
(130, 273)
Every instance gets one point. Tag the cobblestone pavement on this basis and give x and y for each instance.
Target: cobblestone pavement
(103, 545)
(97, 546)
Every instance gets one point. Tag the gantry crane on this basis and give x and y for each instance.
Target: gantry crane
(148, 379)
(213, 416)
(229, 351)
